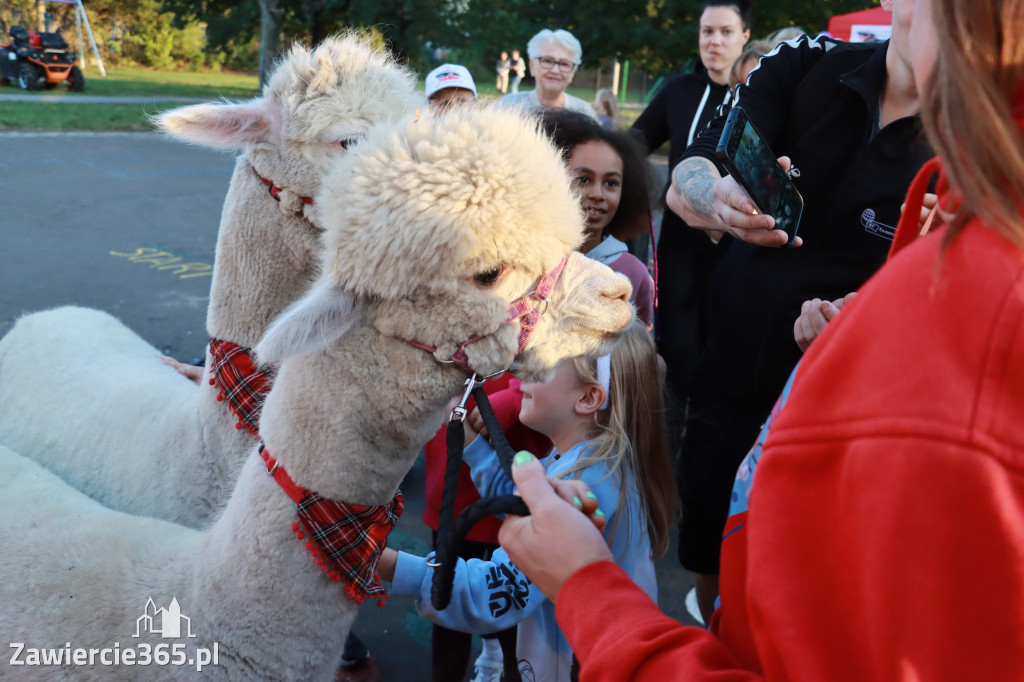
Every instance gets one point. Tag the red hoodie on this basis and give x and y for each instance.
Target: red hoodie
(505, 397)
(884, 538)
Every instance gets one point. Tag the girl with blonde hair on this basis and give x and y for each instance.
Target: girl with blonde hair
(604, 418)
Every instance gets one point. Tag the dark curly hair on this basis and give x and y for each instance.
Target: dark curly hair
(567, 129)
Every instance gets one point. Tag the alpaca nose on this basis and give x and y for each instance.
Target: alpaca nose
(617, 288)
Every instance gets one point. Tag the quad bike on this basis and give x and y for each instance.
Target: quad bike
(35, 60)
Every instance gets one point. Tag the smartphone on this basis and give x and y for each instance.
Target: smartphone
(749, 160)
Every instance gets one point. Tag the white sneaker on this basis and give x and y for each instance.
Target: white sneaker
(691, 606)
(487, 669)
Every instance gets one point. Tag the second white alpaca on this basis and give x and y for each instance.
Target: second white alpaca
(86, 397)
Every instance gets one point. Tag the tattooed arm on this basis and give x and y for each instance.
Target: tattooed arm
(707, 201)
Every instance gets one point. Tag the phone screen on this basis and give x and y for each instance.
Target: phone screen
(755, 167)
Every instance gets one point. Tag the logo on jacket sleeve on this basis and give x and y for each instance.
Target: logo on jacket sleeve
(867, 219)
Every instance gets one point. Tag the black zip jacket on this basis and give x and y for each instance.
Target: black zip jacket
(817, 101)
(682, 108)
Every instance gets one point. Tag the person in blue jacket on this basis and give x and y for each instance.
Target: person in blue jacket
(604, 417)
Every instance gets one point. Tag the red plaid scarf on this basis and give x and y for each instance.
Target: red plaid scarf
(345, 539)
(243, 383)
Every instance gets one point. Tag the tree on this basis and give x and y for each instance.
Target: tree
(271, 22)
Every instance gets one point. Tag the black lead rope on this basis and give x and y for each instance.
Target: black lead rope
(497, 436)
(451, 531)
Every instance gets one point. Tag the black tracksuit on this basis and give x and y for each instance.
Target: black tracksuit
(816, 101)
(681, 109)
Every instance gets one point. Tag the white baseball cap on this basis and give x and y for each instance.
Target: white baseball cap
(449, 76)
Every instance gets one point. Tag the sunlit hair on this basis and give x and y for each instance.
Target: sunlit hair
(560, 36)
(755, 49)
(567, 129)
(741, 8)
(969, 107)
(783, 34)
(629, 436)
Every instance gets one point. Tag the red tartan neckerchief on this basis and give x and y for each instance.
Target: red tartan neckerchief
(243, 383)
(521, 309)
(345, 539)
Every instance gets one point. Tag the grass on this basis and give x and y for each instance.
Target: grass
(130, 82)
(136, 82)
(60, 116)
(139, 82)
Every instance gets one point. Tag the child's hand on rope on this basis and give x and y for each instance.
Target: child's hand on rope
(475, 426)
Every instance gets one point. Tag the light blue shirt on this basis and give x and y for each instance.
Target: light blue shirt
(489, 596)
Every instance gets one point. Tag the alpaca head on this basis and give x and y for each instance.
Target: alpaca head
(316, 105)
(434, 225)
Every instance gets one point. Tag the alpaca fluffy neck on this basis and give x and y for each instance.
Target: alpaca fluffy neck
(274, 613)
(267, 257)
(346, 422)
(349, 420)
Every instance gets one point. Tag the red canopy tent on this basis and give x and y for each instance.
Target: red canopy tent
(864, 26)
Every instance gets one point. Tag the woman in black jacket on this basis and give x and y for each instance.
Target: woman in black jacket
(680, 110)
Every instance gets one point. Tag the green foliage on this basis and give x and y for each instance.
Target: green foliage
(139, 32)
(16, 13)
(657, 36)
(149, 39)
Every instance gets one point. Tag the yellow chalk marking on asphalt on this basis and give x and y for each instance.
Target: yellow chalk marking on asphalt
(165, 260)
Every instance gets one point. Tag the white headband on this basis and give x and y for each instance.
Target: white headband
(604, 377)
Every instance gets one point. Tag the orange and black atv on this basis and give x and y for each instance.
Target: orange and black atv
(36, 60)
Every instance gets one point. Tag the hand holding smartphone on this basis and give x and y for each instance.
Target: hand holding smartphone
(749, 160)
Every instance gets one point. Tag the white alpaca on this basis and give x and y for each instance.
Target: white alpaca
(87, 398)
(450, 222)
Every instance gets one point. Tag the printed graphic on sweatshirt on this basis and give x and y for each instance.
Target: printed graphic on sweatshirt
(508, 588)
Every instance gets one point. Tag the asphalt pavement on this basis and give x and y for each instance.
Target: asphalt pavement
(127, 223)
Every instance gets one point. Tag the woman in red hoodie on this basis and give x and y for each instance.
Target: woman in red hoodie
(877, 527)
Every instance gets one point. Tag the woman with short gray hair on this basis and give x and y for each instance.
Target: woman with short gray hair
(554, 58)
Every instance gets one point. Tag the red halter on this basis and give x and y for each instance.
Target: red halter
(521, 309)
(275, 191)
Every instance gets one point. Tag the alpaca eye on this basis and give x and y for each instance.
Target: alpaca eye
(348, 143)
(486, 279)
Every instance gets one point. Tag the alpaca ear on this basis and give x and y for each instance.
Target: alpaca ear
(316, 320)
(225, 125)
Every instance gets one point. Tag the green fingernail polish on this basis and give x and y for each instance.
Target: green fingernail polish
(590, 496)
(599, 513)
(522, 457)
(577, 501)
